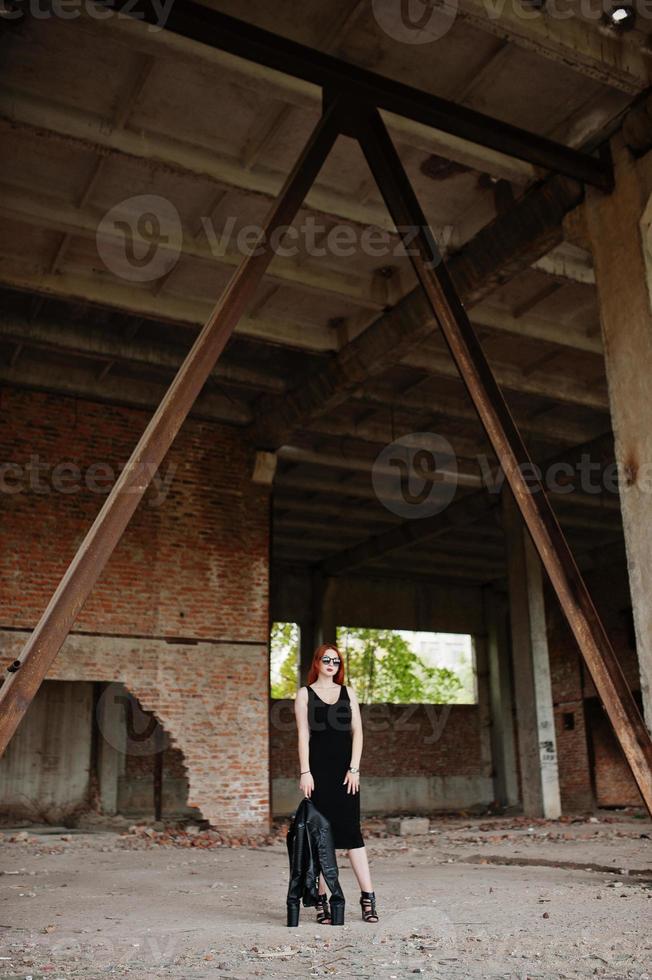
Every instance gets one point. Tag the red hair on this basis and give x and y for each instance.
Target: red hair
(313, 672)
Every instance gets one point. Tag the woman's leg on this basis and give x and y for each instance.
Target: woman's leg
(360, 865)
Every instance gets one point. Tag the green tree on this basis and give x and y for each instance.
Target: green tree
(284, 659)
(380, 664)
(382, 667)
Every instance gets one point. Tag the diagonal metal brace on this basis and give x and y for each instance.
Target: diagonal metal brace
(21, 684)
(463, 343)
(25, 676)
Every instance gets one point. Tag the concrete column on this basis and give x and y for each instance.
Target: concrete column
(318, 625)
(310, 626)
(531, 666)
(307, 647)
(329, 622)
(501, 699)
(483, 690)
(111, 749)
(619, 228)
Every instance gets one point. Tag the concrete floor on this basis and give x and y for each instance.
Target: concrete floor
(477, 897)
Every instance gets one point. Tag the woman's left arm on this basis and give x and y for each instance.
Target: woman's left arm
(352, 779)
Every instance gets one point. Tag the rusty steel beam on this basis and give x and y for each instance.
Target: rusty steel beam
(25, 675)
(508, 445)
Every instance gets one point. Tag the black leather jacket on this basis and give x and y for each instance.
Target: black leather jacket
(311, 852)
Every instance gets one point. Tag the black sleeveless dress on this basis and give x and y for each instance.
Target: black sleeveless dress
(331, 741)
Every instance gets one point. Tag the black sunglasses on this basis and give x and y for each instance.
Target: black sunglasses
(334, 660)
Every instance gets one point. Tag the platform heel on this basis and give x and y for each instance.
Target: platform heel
(337, 911)
(293, 913)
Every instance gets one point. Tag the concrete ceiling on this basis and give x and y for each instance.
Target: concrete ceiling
(96, 111)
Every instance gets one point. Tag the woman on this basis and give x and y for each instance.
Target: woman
(330, 746)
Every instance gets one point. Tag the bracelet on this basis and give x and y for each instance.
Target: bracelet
(304, 772)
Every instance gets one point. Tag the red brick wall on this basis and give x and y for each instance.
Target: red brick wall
(194, 568)
(399, 740)
(615, 785)
(572, 749)
(591, 742)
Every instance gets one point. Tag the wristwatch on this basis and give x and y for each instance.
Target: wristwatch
(353, 769)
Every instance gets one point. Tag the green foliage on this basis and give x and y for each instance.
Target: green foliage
(382, 667)
(284, 649)
(379, 664)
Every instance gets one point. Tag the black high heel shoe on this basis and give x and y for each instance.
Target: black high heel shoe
(368, 906)
(323, 911)
(336, 915)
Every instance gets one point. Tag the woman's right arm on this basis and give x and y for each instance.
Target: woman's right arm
(306, 782)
